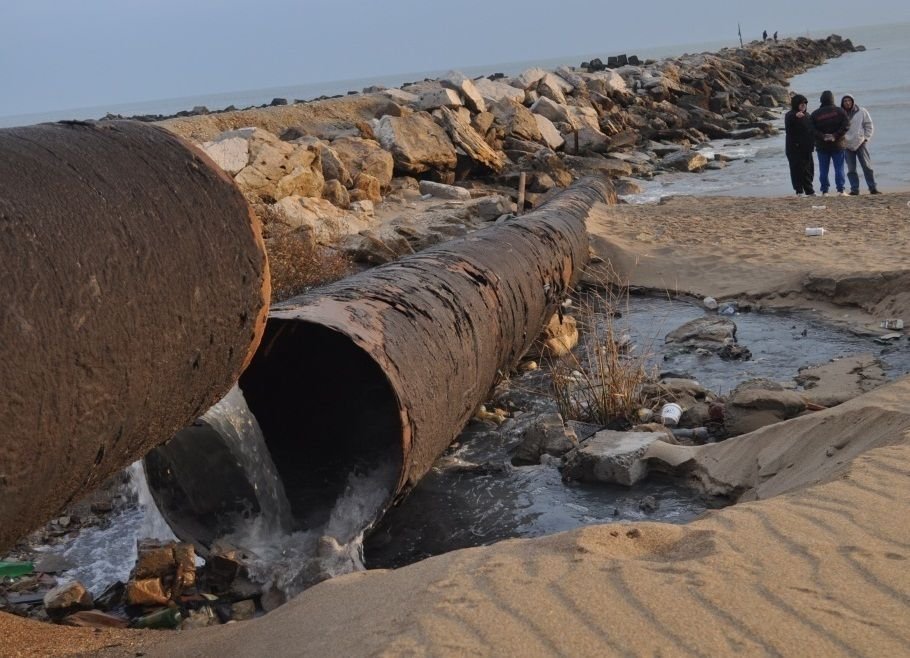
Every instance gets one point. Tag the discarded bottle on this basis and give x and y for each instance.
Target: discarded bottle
(819, 207)
(815, 230)
(15, 569)
(892, 323)
(164, 618)
(670, 414)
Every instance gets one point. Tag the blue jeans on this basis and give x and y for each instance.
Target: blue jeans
(865, 161)
(824, 159)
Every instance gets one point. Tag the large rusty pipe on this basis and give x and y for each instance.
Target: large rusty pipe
(134, 291)
(389, 364)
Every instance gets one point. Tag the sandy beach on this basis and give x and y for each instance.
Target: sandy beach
(811, 566)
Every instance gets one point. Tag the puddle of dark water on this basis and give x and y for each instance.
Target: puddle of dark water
(451, 509)
(780, 343)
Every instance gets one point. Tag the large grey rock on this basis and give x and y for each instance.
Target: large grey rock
(546, 435)
(516, 120)
(714, 331)
(549, 133)
(364, 156)
(590, 140)
(230, 151)
(685, 161)
(466, 138)
(551, 110)
(757, 403)
(402, 97)
(441, 191)
(67, 598)
(466, 88)
(325, 223)
(417, 143)
(554, 88)
(611, 457)
(277, 169)
(528, 78)
(492, 207)
(493, 91)
(440, 98)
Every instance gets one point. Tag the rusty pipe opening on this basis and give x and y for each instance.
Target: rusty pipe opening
(326, 410)
(390, 364)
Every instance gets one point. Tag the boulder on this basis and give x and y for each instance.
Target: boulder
(626, 187)
(146, 592)
(611, 457)
(66, 599)
(560, 335)
(440, 98)
(369, 187)
(278, 169)
(710, 332)
(606, 82)
(319, 217)
(590, 140)
(552, 87)
(528, 78)
(489, 208)
(155, 559)
(417, 143)
(336, 193)
(546, 435)
(230, 150)
(366, 156)
(402, 97)
(493, 91)
(571, 77)
(333, 167)
(516, 120)
(684, 160)
(551, 110)
(758, 403)
(466, 88)
(442, 191)
(611, 167)
(367, 247)
(549, 133)
(471, 142)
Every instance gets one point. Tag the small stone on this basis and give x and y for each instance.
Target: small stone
(648, 504)
(243, 610)
(66, 599)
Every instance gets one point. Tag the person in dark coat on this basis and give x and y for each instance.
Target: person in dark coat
(830, 124)
(800, 144)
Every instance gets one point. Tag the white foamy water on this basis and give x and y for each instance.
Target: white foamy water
(292, 562)
(106, 554)
(238, 427)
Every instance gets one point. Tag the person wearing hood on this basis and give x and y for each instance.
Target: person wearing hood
(830, 124)
(857, 139)
(800, 144)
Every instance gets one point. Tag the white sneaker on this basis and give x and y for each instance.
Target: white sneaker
(844, 193)
(824, 194)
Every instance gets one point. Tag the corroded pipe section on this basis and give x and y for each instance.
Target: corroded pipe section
(135, 290)
(386, 367)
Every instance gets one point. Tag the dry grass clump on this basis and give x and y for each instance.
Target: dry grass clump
(602, 380)
(297, 263)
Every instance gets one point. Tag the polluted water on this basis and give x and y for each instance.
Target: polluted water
(277, 554)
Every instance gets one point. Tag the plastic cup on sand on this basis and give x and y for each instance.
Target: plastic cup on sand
(815, 230)
(670, 413)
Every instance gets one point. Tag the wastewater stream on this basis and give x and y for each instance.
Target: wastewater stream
(474, 495)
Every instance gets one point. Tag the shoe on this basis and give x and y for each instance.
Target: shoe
(874, 192)
(824, 194)
(810, 194)
(842, 193)
(856, 192)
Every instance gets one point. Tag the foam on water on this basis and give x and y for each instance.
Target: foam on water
(106, 554)
(294, 561)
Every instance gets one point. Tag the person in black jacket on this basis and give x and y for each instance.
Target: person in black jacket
(830, 124)
(800, 144)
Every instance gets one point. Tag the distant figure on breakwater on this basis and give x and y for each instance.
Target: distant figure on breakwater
(764, 35)
(800, 144)
(775, 36)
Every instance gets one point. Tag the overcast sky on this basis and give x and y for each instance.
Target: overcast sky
(61, 54)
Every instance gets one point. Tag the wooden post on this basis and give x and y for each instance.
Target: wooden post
(522, 177)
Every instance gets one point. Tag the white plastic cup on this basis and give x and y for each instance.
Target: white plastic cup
(670, 413)
(815, 230)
